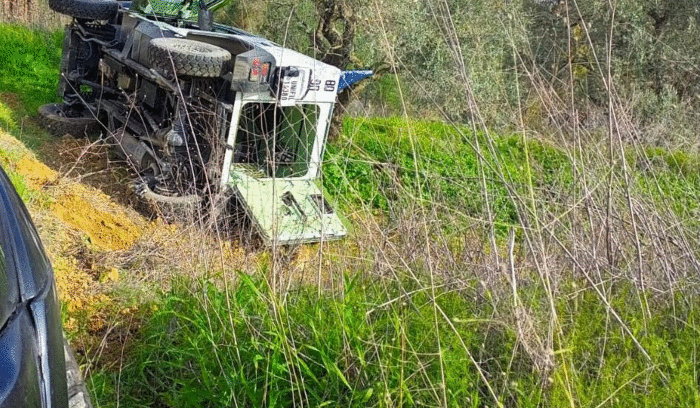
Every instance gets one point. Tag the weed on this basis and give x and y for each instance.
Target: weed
(30, 63)
(207, 347)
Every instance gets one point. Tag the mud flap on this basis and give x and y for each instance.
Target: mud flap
(287, 211)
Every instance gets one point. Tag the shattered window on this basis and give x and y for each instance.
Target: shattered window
(165, 8)
(276, 141)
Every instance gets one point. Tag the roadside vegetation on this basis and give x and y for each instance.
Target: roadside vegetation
(536, 248)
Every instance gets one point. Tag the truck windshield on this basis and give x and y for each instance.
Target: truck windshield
(276, 141)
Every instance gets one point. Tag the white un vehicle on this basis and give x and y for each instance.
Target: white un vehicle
(202, 111)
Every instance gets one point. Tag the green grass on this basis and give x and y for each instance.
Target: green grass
(30, 64)
(26, 193)
(7, 120)
(373, 347)
(248, 347)
(29, 61)
(608, 366)
(385, 163)
(672, 178)
(29, 68)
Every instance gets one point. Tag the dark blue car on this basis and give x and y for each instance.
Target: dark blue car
(32, 348)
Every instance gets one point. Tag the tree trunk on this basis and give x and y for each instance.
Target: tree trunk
(334, 39)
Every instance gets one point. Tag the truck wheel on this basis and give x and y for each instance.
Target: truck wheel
(78, 396)
(187, 57)
(87, 9)
(53, 119)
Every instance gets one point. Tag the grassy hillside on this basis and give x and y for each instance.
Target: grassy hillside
(484, 270)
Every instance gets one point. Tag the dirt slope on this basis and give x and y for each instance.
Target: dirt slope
(77, 224)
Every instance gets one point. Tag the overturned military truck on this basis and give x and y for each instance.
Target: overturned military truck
(202, 110)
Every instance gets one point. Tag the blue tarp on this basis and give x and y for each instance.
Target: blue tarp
(348, 78)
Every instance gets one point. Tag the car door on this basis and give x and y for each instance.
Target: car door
(31, 339)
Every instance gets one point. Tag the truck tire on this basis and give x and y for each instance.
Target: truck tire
(187, 57)
(52, 118)
(87, 9)
(78, 396)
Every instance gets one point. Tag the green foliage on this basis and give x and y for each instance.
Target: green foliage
(367, 347)
(608, 368)
(389, 162)
(504, 55)
(385, 91)
(385, 164)
(374, 347)
(650, 49)
(670, 178)
(25, 192)
(30, 64)
(7, 120)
